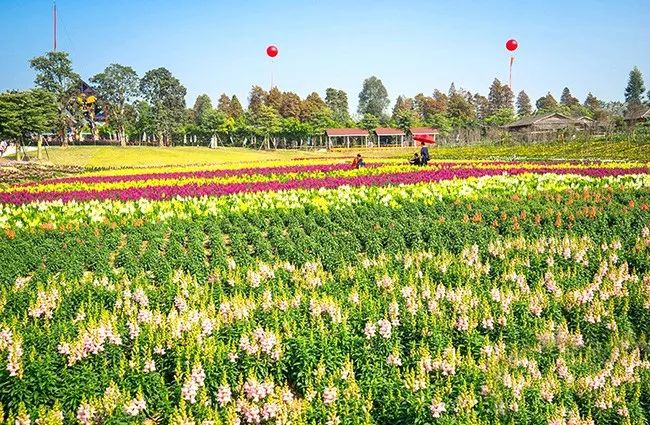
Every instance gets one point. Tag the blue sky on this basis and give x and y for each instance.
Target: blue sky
(413, 46)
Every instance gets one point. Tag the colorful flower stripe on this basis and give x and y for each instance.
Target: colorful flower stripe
(217, 189)
(56, 214)
(206, 174)
(54, 186)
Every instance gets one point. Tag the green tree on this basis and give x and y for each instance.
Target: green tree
(54, 73)
(595, 107)
(460, 109)
(268, 123)
(524, 107)
(202, 105)
(167, 97)
(501, 117)
(567, 99)
(403, 104)
(500, 97)
(405, 119)
(337, 101)
(440, 102)
(373, 98)
(634, 91)
(322, 119)
(481, 106)
(274, 99)
(116, 87)
(256, 98)
(144, 121)
(27, 114)
(236, 110)
(369, 122)
(441, 122)
(291, 104)
(546, 104)
(224, 104)
(310, 106)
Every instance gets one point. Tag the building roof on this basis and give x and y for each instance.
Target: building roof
(526, 121)
(384, 131)
(341, 132)
(423, 130)
(639, 115)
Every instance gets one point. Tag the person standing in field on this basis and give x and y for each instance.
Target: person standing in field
(424, 154)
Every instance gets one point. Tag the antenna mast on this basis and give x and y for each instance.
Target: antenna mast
(54, 18)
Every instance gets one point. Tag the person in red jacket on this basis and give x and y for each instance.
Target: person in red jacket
(358, 162)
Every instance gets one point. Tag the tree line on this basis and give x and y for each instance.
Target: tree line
(152, 109)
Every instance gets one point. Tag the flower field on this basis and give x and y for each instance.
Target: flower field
(465, 292)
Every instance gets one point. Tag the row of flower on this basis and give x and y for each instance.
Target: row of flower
(175, 324)
(57, 213)
(335, 176)
(268, 168)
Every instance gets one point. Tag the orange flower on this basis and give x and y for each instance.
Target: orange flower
(11, 234)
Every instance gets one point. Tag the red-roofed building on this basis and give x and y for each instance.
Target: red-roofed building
(389, 136)
(422, 131)
(345, 134)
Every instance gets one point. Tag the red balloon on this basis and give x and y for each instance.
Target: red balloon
(512, 44)
(272, 51)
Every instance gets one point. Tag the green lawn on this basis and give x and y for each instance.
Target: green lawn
(135, 156)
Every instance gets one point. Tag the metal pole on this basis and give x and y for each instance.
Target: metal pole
(54, 17)
(512, 59)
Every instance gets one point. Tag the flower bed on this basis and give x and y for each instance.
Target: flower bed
(458, 296)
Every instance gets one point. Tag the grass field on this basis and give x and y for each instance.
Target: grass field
(135, 156)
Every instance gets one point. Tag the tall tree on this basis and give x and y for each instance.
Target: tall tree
(224, 105)
(167, 97)
(26, 114)
(54, 73)
(369, 122)
(524, 107)
(567, 99)
(310, 106)
(291, 104)
(202, 105)
(403, 104)
(268, 122)
(460, 109)
(117, 86)
(452, 89)
(274, 98)
(373, 98)
(595, 108)
(500, 96)
(236, 109)
(634, 91)
(440, 102)
(481, 106)
(256, 98)
(337, 101)
(546, 103)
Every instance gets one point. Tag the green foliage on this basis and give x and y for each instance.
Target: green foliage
(635, 88)
(501, 117)
(167, 98)
(524, 107)
(373, 98)
(116, 87)
(337, 101)
(27, 113)
(500, 97)
(369, 122)
(547, 104)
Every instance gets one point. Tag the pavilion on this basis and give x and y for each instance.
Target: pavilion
(422, 131)
(388, 135)
(345, 134)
